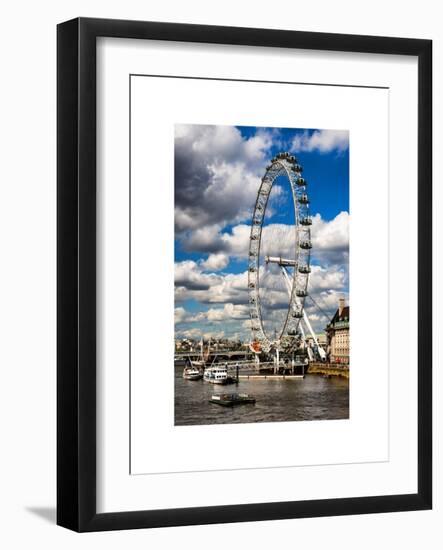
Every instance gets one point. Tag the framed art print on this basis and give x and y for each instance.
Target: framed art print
(227, 197)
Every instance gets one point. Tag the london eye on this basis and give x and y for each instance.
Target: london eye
(279, 261)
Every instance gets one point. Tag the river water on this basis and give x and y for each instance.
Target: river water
(311, 398)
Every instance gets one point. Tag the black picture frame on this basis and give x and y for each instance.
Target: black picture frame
(76, 274)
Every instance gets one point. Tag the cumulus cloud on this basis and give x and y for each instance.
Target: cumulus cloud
(234, 318)
(215, 262)
(226, 313)
(206, 240)
(322, 278)
(188, 274)
(179, 315)
(323, 141)
(218, 322)
(211, 240)
(196, 333)
(330, 239)
(326, 285)
(209, 288)
(217, 174)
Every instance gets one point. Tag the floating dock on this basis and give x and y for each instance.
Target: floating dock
(231, 399)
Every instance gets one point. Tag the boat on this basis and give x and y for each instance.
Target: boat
(201, 362)
(217, 374)
(197, 364)
(231, 399)
(192, 373)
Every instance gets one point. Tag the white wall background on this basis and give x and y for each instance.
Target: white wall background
(27, 271)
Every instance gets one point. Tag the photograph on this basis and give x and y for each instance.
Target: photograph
(180, 264)
(261, 274)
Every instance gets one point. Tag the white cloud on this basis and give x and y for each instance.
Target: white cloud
(215, 262)
(330, 239)
(179, 315)
(236, 243)
(209, 288)
(326, 285)
(217, 174)
(188, 274)
(323, 141)
(234, 318)
(207, 240)
(196, 333)
(326, 279)
(226, 313)
(231, 288)
(193, 333)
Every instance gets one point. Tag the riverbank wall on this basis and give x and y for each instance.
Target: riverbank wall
(328, 369)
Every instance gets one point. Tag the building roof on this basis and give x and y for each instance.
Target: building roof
(345, 314)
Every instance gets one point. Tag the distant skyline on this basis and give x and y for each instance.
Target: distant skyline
(218, 170)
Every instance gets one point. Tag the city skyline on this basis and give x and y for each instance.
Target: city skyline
(218, 170)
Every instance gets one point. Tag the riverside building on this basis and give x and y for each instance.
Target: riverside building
(338, 335)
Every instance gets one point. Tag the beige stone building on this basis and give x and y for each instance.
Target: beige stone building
(338, 335)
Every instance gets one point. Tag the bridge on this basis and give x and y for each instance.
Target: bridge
(215, 353)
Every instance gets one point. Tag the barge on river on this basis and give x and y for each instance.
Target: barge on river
(231, 399)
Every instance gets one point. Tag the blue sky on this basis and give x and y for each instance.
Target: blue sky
(217, 176)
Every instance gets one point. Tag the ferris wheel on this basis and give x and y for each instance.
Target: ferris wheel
(279, 259)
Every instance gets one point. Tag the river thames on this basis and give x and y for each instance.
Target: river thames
(311, 398)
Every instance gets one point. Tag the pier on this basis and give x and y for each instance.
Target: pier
(270, 376)
(236, 361)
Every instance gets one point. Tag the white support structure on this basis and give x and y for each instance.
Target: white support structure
(280, 261)
(287, 279)
(319, 349)
(321, 352)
